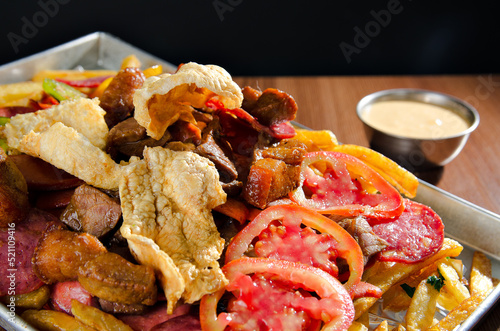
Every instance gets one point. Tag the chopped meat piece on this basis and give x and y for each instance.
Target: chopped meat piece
(291, 151)
(170, 227)
(232, 188)
(14, 204)
(369, 242)
(111, 277)
(185, 132)
(129, 138)
(121, 308)
(91, 210)
(212, 151)
(27, 234)
(117, 99)
(60, 253)
(272, 107)
(179, 146)
(268, 180)
(250, 97)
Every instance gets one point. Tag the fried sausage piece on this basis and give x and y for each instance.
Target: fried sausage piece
(117, 100)
(111, 277)
(14, 204)
(60, 253)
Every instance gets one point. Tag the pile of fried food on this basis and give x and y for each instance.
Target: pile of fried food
(143, 200)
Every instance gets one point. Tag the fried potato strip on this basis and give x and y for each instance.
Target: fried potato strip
(420, 314)
(385, 274)
(96, 318)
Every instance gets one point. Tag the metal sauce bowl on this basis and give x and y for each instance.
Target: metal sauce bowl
(419, 154)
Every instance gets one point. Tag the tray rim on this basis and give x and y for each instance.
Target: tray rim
(101, 37)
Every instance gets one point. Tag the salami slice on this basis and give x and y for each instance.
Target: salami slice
(416, 234)
(17, 244)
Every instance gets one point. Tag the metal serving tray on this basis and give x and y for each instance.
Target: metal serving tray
(474, 227)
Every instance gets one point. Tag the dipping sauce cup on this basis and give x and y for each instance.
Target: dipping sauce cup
(418, 129)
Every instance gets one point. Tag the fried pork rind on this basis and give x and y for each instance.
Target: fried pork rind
(84, 115)
(69, 150)
(164, 99)
(166, 201)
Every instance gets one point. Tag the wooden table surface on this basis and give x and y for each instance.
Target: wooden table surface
(474, 175)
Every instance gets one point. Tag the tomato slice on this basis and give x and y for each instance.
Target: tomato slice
(340, 184)
(334, 306)
(298, 244)
(413, 236)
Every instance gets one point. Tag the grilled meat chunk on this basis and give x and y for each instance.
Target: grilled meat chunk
(128, 138)
(91, 210)
(369, 242)
(117, 100)
(271, 107)
(268, 180)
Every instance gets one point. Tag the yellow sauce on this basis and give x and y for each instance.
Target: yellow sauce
(414, 119)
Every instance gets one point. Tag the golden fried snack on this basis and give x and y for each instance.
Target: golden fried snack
(170, 227)
(110, 277)
(400, 178)
(52, 320)
(385, 274)
(32, 300)
(164, 99)
(60, 253)
(19, 94)
(14, 204)
(84, 115)
(67, 149)
(96, 318)
(480, 274)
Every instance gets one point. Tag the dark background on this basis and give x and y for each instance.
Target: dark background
(258, 37)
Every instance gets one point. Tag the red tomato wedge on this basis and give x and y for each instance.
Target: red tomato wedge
(285, 232)
(343, 185)
(413, 236)
(333, 305)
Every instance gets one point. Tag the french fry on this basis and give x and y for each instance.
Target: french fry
(384, 274)
(130, 61)
(480, 274)
(71, 74)
(96, 318)
(19, 94)
(420, 314)
(447, 300)
(52, 320)
(452, 281)
(153, 71)
(32, 300)
(317, 140)
(400, 327)
(396, 298)
(459, 314)
(356, 326)
(403, 180)
(383, 326)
